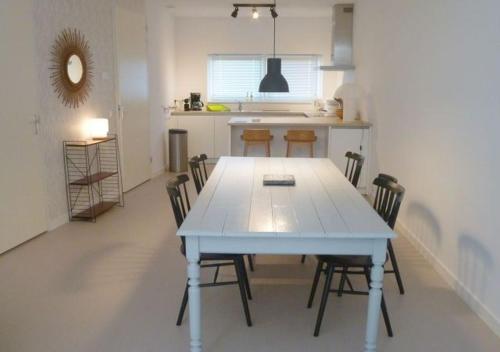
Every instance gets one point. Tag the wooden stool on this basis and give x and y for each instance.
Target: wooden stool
(300, 137)
(256, 137)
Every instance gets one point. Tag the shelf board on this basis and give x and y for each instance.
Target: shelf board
(97, 210)
(98, 176)
(88, 142)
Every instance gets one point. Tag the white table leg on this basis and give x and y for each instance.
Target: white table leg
(193, 271)
(375, 297)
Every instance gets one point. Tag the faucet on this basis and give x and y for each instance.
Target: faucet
(240, 106)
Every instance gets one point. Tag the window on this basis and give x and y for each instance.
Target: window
(234, 77)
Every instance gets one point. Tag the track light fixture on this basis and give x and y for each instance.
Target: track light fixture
(254, 7)
(255, 13)
(234, 14)
(273, 12)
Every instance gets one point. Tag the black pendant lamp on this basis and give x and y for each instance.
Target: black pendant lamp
(273, 81)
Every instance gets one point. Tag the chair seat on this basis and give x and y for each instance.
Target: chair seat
(213, 256)
(346, 260)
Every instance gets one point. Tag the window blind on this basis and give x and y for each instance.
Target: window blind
(236, 77)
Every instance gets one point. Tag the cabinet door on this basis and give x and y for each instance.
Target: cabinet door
(200, 134)
(222, 136)
(343, 140)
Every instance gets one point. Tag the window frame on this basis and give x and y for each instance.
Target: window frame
(315, 60)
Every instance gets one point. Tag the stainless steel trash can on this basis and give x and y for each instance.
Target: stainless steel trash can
(177, 150)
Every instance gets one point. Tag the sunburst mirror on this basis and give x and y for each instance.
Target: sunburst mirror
(71, 67)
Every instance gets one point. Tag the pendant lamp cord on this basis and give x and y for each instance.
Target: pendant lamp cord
(274, 33)
(274, 38)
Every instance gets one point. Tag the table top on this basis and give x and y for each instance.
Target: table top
(297, 122)
(322, 204)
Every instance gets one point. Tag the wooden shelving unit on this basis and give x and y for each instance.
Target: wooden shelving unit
(93, 177)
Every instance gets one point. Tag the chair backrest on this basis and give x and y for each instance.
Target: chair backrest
(179, 198)
(388, 199)
(388, 177)
(300, 136)
(256, 135)
(354, 166)
(203, 158)
(199, 182)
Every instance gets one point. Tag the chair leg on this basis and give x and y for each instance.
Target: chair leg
(349, 283)
(245, 149)
(303, 259)
(250, 262)
(385, 314)
(238, 265)
(183, 306)
(343, 279)
(395, 266)
(247, 283)
(317, 274)
(383, 306)
(326, 291)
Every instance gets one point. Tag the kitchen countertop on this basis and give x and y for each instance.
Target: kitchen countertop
(334, 122)
(241, 113)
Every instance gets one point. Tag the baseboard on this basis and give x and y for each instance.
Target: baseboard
(159, 172)
(58, 221)
(463, 292)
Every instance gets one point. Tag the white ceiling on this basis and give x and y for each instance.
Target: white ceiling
(221, 3)
(223, 8)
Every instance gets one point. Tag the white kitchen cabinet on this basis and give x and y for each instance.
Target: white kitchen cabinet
(200, 134)
(356, 140)
(222, 136)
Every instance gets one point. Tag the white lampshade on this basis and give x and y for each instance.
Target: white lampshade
(351, 94)
(98, 128)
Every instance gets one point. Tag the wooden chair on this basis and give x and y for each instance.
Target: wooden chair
(200, 178)
(257, 137)
(353, 168)
(388, 202)
(352, 173)
(300, 137)
(203, 158)
(179, 199)
(390, 248)
(382, 196)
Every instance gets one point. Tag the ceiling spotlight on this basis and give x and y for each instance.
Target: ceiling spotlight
(235, 12)
(273, 12)
(255, 13)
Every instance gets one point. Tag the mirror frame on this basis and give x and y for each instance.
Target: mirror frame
(68, 43)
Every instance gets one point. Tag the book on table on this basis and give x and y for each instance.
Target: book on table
(279, 180)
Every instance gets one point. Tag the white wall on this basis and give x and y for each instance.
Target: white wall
(196, 38)
(161, 61)
(94, 19)
(432, 72)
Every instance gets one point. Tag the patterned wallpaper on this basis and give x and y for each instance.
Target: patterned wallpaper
(94, 18)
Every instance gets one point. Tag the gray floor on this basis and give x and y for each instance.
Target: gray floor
(116, 286)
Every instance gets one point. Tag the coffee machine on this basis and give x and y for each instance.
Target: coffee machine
(196, 103)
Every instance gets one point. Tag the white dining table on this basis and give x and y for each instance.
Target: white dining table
(322, 214)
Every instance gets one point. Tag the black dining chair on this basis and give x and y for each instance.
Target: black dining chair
(390, 249)
(353, 168)
(200, 177)
(381, 196)
(179, 199)
(352, 173)
(388, 201)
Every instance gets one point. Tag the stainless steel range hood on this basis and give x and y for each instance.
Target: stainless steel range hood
(342, 36)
